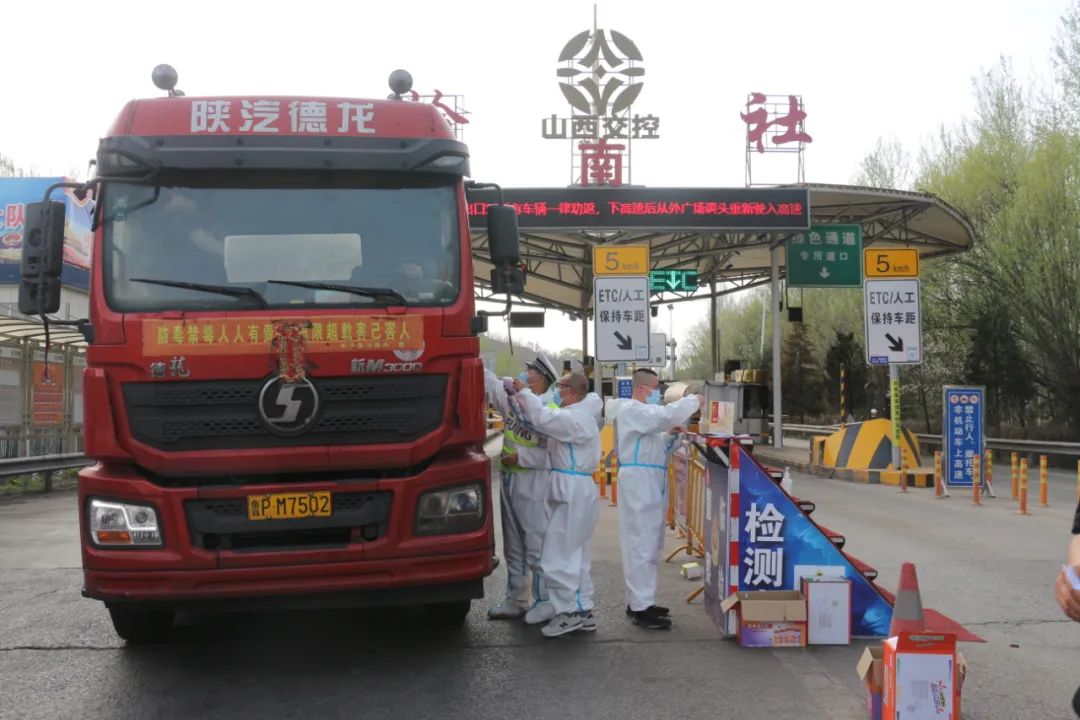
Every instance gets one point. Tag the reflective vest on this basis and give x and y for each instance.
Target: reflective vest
(518, 433)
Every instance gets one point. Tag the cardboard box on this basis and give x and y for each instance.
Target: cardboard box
(769, 618)
(922, 677)
(692, 571)
(871, 670)
(828, 610)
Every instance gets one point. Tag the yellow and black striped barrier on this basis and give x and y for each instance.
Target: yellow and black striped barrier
(868, 445)
(863, 452)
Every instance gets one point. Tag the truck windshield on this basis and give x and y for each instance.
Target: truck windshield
(281, 241)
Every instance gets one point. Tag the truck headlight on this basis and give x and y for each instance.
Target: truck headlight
(114, 524)
(454, 510)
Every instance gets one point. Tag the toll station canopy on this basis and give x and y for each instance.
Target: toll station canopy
(724, 234)
(19, 327)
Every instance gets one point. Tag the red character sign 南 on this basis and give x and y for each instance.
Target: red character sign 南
(601, 163)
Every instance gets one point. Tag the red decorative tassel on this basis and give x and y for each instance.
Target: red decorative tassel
(289, 343)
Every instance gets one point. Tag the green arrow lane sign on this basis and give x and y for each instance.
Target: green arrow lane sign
(825, 256)
(672, 281)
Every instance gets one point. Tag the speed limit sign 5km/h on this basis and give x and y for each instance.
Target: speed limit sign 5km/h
(891, 262)
(621, 260)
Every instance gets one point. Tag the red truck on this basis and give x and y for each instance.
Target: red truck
(284, 394)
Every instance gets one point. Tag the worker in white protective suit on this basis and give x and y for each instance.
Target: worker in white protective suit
(573, 444)
(645, 434)
(523, 493)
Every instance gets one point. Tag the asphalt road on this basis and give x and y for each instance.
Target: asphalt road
(984, 566)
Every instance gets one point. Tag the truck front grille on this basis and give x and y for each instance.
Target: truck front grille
(225, 414)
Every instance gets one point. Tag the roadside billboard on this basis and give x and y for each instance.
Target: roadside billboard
(15, 194)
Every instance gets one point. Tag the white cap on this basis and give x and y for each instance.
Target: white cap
(543, 365)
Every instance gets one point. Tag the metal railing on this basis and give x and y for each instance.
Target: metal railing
(1034, 447)
(810, 429)
(17, 442)
(14, 467)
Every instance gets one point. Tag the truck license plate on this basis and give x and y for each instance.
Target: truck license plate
(289, 506)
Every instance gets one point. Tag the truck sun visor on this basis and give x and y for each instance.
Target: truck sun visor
(131, 155)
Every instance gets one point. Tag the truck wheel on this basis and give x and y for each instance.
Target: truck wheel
(140, 626)
(449, 614)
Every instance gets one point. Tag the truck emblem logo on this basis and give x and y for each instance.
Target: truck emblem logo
(288, 409)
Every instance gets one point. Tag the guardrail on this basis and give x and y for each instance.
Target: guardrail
(13, 467)
(1034, 447)
(810, 429)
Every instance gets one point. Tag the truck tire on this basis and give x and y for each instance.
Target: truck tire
(448, 614)
(140, 626)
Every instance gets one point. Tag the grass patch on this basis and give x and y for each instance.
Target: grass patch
(35, 483)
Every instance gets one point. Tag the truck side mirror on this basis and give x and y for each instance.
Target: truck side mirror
(42, 258)
(502, 235)
(39, 297)
(507, 282)
(505, 249)
(502, 230)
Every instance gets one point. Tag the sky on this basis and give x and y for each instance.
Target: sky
(865, 69)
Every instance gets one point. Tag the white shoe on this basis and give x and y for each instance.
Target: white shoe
(540, 613)
(562, 624)
(588, 621)
(506, 610)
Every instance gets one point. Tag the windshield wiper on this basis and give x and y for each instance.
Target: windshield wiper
(239, 291)
(371, 292)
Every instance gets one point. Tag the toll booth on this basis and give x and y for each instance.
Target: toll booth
(737, 408)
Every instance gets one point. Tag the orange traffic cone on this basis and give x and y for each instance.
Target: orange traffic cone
(907, 612)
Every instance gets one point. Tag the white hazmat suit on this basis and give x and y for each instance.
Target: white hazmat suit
(642, 443)
(574, 451)
(522, 496)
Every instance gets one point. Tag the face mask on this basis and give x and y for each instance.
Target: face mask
(654, 397)
(524, 377)
(556, 396)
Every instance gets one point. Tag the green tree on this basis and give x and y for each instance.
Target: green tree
(8, 168)
(846, 350)
(739, 327)
(997, 361)
(828, 311)
(1066, 58)
(507, 365)
(569, 353)
(801, 373)
(888, 165)
(1013, 170)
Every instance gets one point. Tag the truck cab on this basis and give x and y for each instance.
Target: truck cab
(284, 393)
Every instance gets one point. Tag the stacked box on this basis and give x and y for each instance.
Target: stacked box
(769, 619)
(871, 670)
(922, 675)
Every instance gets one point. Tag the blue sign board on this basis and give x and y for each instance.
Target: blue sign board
(779, 544)
(624, 388)
(962, 433)
(15, 194)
